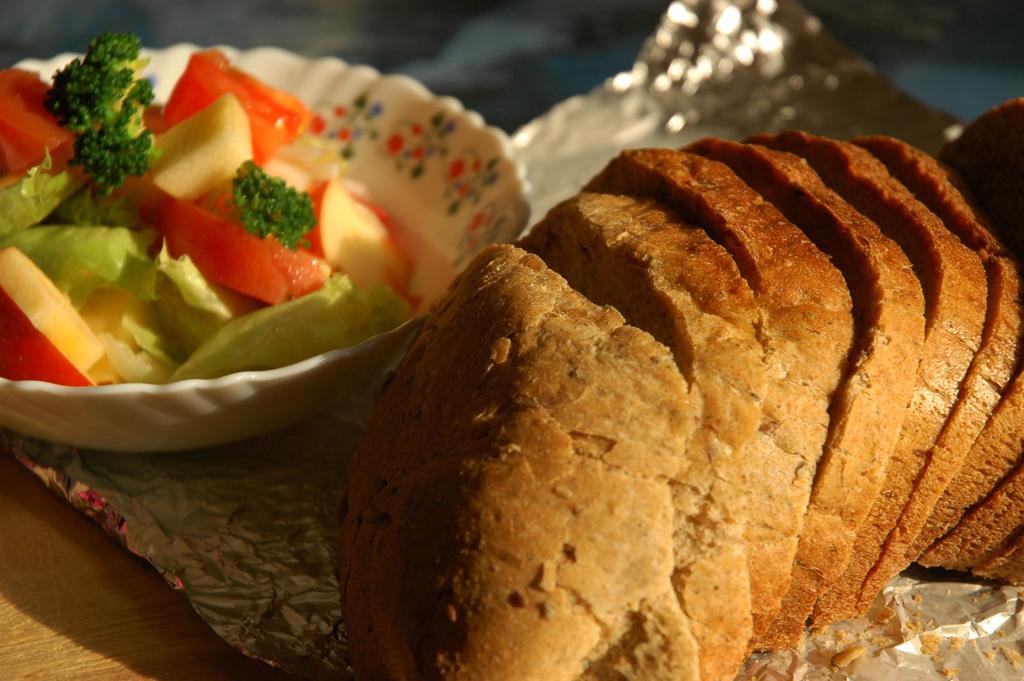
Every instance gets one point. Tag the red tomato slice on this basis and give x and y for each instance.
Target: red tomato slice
(228, 255)
(301, 269)
(26, 354)
(27, 129)
(275, 117)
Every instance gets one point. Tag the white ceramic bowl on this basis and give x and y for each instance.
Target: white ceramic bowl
(446, 177)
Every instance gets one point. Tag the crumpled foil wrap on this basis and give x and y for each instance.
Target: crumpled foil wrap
(246, 531)
(921, 627)
(724, 68)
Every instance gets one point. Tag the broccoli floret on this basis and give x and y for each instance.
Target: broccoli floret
(101, 98)
(267, 206)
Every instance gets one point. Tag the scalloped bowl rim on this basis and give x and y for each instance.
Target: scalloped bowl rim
(286, 372)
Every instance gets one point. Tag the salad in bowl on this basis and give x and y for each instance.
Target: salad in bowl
(213, 234)
(199, 245)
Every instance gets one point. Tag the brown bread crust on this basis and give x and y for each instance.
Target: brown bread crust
(954, 285)
(867, 411)
(989, 155)
(805, 327)
(986, 532)
(673, 281)
(510, 513)
(993, 458)
(1007, 564)
(947, 491)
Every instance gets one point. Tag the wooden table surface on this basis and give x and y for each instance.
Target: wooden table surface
(74, 605)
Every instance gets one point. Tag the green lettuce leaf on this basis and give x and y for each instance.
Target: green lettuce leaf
(134, 366)
(195, 290)
(191, 308)
(146, 330)
(337, 316)
(86, 209)
(29, 200)
(81, 260)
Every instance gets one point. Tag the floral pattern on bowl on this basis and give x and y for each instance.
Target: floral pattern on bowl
(416, 146)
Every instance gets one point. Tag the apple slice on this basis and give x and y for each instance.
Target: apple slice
(355, 241)
(294, 175)
(203, 151)
(42, 337)
(27, 355)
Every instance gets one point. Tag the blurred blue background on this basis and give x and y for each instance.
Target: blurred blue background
(513, 60)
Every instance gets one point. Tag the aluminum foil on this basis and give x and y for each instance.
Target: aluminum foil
(725, 68)
(246, 531)
(920, 628)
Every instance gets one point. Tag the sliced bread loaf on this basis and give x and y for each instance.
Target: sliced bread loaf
(868, 409)
(510, 513)
(954, 285)
(670, 279)
(945, 489)
(805, 327)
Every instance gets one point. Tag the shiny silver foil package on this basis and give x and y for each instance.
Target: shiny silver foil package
(246, 531)
(722, 68)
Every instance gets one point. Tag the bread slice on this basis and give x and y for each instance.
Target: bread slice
(805, 327)
(868, 409)
(937, 504)
(510, 512)
(989, 155)
(1007, 564)
(993, 458)
(986, 531)
(670, 279)
(954, 285)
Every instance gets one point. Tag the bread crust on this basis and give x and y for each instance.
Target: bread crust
(988, 155)
(954, 285)
(993, 458)
(670, 279)
(868, 409)
(946, 491)
(510, 512)
(1006, 564)
(985, 532)
(805, 328)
